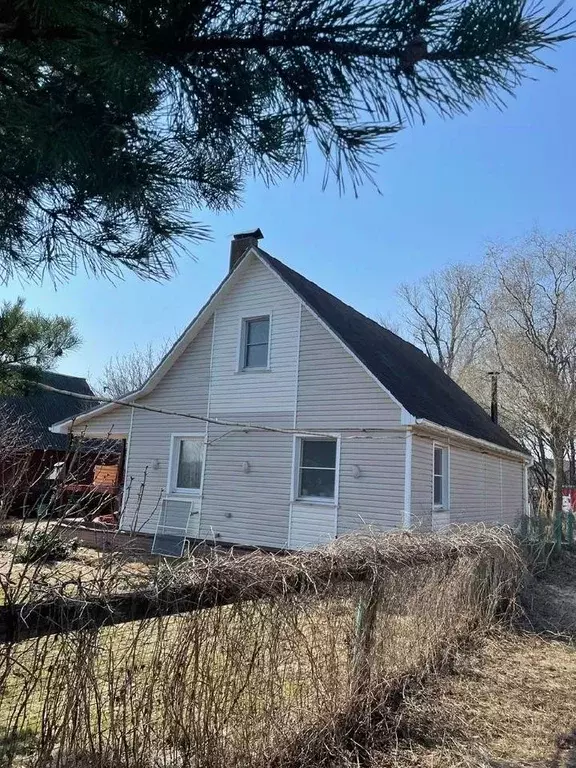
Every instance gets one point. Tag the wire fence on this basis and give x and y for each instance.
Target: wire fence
(220, 661)
(214, 660)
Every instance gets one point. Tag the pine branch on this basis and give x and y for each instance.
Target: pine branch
(118, 119)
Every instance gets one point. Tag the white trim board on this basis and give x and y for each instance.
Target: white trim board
(446, 480)
(407, 521)
(297, 374)
(297, 447)
(191, 492)
(241, 367)
(430, 427)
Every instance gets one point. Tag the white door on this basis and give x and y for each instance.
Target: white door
(311, 525)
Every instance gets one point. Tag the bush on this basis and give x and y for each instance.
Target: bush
(45, 546)
(8, 528)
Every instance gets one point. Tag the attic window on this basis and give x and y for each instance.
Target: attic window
(255, 343)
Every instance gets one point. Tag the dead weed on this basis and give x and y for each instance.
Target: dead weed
(504, 707)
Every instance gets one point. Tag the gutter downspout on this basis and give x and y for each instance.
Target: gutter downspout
(407, 519)
(527, 508)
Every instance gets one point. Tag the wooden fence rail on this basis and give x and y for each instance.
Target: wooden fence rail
(257, 576)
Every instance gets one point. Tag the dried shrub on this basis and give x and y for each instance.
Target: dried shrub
(8, 529)
(44, 546)
(256, 661)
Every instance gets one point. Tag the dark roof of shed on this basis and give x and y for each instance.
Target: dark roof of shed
(408, 374)
(39, 409)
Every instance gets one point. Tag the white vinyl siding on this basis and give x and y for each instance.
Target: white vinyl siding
(184, 389)
(113, 423)
(484, 487)
(513, 492)
(247, 482)
(421, 503)
(311, 527)
(257, 293)
(493, 490)
(371, 484)
(468, 487)
(334, 391)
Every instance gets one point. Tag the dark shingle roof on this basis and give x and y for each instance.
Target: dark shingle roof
(407, 373)
(40, 408)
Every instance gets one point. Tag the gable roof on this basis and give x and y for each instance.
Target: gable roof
(410, 376)
(40, 409)
(403, 370)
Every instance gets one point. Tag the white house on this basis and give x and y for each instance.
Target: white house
(313, 421)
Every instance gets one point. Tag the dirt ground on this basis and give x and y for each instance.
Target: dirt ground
(84, 565)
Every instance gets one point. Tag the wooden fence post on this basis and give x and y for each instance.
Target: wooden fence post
(366, 615)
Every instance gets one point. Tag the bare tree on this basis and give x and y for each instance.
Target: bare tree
(441, 316)
(125, 373)
(531, 318)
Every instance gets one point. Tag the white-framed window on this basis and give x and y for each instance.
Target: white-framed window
(186, 464)
(317, 469)
(441, 477)
(255, 343)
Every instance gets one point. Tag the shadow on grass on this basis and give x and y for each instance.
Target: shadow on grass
(16, 743)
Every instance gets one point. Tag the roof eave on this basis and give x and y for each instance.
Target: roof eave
(63, 427)
(494, 447)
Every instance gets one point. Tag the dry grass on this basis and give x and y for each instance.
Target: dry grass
(298, 661)
(85, 566)
(504, 705)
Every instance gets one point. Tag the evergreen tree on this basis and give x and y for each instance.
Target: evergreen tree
(30, 343)
(120, 117)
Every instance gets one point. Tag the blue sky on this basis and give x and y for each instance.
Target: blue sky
(446, 189)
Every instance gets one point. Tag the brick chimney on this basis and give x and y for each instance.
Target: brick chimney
(241, 243)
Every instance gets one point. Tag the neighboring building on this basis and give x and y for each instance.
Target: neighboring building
(374, 432)
(29, 451)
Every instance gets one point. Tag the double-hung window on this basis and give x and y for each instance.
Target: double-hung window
(441, 477)
(187, 464)
(317, 470)
(255, 348)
